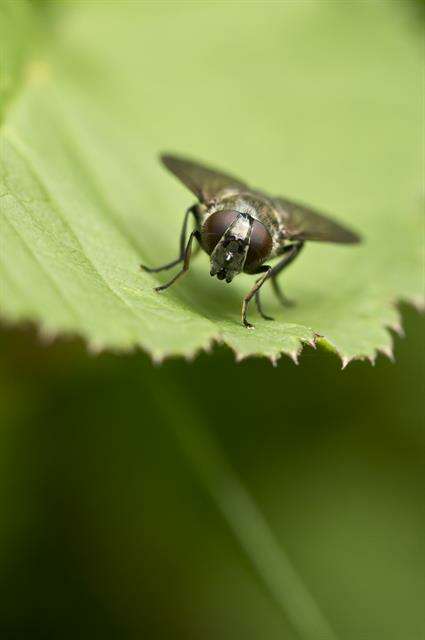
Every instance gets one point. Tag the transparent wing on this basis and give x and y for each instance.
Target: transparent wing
(204, 182)
(302, 223)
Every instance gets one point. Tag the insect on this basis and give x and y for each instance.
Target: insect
(241, 228)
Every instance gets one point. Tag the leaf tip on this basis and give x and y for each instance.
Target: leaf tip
(46, 336)
(312, 343)
(398, 329)
(387, 351)
(345, 360)
(418, 302)
(274, 359)
(294, 356)
(94, 348)
(158, 359)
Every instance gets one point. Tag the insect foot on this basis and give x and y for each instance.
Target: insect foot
(245, 322)
(143, 267)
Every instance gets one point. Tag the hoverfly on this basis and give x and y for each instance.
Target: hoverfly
(241, 228)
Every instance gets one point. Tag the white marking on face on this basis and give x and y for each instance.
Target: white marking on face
(241, 228)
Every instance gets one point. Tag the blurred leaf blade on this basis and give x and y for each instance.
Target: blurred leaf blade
(244, 518)
(85, 201)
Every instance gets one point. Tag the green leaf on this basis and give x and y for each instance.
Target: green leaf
(16, 29)
(320, 102)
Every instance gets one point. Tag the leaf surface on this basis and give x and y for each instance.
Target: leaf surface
(318, 102)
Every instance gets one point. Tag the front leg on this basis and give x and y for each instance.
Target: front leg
(258, 284)
(186, 261)
(173, 263)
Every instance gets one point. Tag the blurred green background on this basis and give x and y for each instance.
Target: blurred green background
(107, 529)
(123, 484)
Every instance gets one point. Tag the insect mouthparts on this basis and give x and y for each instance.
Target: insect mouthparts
(221, 274)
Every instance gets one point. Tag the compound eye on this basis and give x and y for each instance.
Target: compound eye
(215, 226)
(260, 247)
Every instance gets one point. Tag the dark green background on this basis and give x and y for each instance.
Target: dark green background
(107, 529)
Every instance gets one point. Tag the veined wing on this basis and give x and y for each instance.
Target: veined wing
(303, 223)
(204, 182)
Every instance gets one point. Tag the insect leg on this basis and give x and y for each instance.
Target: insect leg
(260, 306)
(186, 261)
(283, 299)
(173, 263)
(266, 269)
(290, 253)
